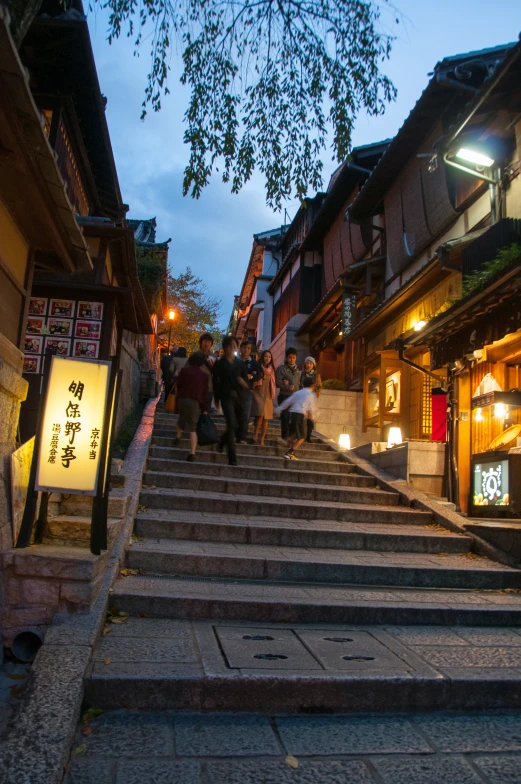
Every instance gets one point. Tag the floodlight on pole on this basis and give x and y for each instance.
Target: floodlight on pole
(473, 156)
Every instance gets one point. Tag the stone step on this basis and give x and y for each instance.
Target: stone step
(319, 565)
(164, 664)
(170, 420)
(222, 503)
(207, 455)
(314, 446)
(254, 449)
(238, 486)
(81, 505)
(74, 530)
(302, 533)
(260, 601)
(261, 474)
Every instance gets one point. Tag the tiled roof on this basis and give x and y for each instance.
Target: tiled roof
(144, 230)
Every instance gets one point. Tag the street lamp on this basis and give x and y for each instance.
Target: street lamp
(171, 317)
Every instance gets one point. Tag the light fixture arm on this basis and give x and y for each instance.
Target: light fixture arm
(474, 173)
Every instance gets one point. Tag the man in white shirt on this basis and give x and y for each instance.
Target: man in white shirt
(302, 405)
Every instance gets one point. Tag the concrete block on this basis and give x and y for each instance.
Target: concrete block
(40, 591)
(12, 591)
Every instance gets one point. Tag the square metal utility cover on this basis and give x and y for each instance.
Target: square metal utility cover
(254, 648)
(350, 650)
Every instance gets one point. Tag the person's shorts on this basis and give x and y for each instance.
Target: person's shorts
(297, 426)
(189, 412)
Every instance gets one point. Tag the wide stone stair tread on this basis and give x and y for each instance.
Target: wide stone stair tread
(255, 601)
(285, 531)
(254, 450)
(237, 485)
(254, 459)
(258, 473)
(313, 564)
(235, 503)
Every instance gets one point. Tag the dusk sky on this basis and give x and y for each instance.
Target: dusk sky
(214, 234)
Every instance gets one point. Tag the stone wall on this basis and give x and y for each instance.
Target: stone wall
(130, 382)
(13, 390)
(342, 412)
(421, 463)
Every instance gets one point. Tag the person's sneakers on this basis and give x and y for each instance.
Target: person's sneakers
(177, 441)
(290, 455)
(233, 462)
(191, 458)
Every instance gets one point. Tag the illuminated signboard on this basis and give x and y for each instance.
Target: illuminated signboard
(491, 484)
(73, 425)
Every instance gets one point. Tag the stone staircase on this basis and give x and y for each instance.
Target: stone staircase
(228, 563)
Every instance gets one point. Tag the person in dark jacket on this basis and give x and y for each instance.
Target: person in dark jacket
(252, 369)
(288, 381)
(167, 371)
(230, 382)
(192, 399)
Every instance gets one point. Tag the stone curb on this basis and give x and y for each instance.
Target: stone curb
(415, 498)
(38, 745)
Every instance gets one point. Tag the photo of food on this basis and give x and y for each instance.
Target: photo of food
(37, 306)
(86, 348)
(90, 310)
(88, 329)
(33, 345)
(60, 326)
(35, 325)
(31, 364)
(62, 347)
(62, 307)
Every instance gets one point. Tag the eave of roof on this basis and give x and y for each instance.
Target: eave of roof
(20, 112)
(427, 110)
(75, 74)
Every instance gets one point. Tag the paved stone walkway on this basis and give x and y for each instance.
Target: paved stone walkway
(147, 747)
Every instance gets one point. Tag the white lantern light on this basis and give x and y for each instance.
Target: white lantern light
(394, 438)
(344, 441)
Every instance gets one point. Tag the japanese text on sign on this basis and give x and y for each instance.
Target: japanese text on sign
(73, 425)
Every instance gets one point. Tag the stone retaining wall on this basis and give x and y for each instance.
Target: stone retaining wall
(342, 412)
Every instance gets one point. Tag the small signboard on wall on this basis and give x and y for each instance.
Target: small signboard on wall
(74, 419)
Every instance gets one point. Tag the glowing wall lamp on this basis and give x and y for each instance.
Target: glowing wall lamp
(394, 438)
(419, 325)
(344, 441)
(474, 156)
(171, 317)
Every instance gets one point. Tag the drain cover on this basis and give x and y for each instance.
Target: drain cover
(250, 648)
(257, 637)
(270, 656)
(338, 639)
(358, 658)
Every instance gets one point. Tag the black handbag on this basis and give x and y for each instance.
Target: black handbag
(206, 431)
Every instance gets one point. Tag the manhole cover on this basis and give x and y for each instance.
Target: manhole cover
(257, 637)
(270, 656)
(358, 658)
(338, 639)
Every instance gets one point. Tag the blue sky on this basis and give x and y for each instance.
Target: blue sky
(214, 234)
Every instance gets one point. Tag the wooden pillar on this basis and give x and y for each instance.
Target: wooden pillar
(463, 434)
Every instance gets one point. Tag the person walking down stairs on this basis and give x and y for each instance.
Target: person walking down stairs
(288, 381)
(192, 399)
(230, 382)
(264, 393)
(302, 405)
(310, 371)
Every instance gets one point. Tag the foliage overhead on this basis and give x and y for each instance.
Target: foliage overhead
(268, 80)
(196, 311)
(151, 273)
